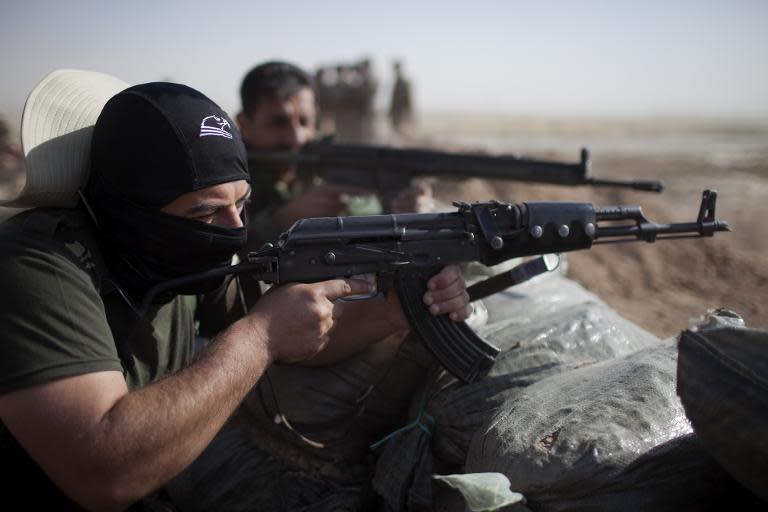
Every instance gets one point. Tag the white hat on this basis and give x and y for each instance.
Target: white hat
(56, 129)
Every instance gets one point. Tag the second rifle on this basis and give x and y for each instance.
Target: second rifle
(387, 170)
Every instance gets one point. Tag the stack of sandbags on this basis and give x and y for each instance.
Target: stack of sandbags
(544, 327)
(614, 435)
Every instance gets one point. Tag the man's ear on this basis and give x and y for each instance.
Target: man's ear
(245, 125)
(242, 120)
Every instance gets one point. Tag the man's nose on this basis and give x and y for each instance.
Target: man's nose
(232, 218)
(295, 136)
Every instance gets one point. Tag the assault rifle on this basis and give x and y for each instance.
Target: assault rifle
(405, 250)
(388, 170)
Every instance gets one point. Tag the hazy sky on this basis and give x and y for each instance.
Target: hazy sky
(687, 57)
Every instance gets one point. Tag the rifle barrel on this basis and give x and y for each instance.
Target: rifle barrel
(645, 185)
(643, 229)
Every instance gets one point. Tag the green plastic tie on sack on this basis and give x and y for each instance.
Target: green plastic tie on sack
(417, 423)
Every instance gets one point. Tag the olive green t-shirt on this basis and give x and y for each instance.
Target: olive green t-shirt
(61, 315)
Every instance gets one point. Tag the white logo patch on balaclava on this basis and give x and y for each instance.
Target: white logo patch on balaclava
(215, 125)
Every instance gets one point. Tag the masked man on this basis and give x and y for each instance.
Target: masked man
(101, 403)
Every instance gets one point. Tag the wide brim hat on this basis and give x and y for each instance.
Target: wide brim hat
(56, 129)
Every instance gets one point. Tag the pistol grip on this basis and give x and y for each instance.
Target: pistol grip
(454, 344)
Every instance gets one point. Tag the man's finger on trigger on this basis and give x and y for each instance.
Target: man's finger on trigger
(360, 286)
(338, 288)
(453, 270)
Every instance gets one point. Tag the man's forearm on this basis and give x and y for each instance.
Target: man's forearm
(150, 435)
(184, 411)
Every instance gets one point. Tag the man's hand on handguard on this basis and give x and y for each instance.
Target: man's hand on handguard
(295, 319)
(446, 295)
(319, 200)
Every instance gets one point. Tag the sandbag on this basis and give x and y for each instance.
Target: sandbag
(335, 412)
(722, 381)
(605, 437)
(544, 327)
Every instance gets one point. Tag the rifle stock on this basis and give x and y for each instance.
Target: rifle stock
(405, 250)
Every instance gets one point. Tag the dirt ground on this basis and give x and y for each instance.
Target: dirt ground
(665, 286)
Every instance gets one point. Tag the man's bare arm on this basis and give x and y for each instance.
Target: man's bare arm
(107, 447)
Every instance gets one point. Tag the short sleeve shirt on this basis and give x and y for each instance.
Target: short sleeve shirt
(61, 315)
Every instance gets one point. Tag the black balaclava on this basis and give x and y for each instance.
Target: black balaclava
(151, 144)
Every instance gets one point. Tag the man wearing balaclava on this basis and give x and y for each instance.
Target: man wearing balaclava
(102, 404)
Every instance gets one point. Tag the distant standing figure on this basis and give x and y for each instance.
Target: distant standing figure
(325, 108)
(11, 169)
(368, 86)
(401, 108)
(10, 155)
(348, 105)
(11, 160)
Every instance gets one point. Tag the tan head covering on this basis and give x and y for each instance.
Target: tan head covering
(56, 129)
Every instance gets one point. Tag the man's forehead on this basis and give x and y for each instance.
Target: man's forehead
(303, 102)
(222, 193)
(209, 198)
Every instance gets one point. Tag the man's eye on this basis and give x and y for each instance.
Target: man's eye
(207, 219)
(280, 121)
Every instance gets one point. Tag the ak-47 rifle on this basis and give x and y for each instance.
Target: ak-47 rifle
(405, 250)
(388, 170)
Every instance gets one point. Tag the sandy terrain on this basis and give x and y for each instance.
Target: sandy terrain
(666, 285)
